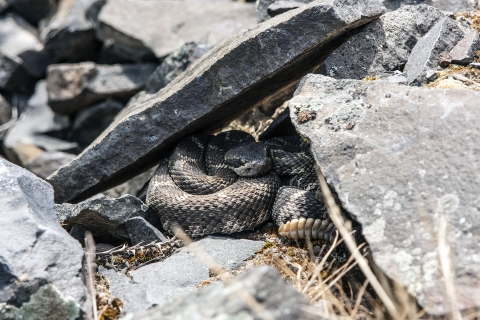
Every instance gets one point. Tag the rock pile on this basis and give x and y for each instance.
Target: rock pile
(94, 93)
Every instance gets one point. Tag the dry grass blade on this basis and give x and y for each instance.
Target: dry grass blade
(90, 257)
(335, 215)
(444, 254)
(360, 294)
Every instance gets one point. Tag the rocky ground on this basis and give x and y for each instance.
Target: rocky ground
(94, 93)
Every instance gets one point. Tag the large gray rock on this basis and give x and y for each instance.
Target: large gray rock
(72, 87)
(22, 59)
(277, 300)
(444, 5)
(141, 231)
(4, 5)
(226, 82)
(48, 162)
(33, 10)
(146, 30)
(175, 64)
(37, 120)
(441, 39)
(35, 250)
(101, 215)
(89, 123)
(400, 158)
(68, 35)
(262, 6)
(464, 51)
(5, 110)
(455, 5)
(46, 304)
(179, 274)
(383, 45)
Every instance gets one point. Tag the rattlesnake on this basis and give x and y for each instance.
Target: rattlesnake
(198, 188)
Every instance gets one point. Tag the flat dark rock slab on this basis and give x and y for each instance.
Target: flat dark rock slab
(400, 158)
(230, 79)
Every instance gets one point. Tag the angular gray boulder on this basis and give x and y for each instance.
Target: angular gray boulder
(276, 299)
(425, 56)
(450, 6)
(72, 87)
(101, 215)
(226, 82)
(89, 123)
(140, 231)
(32, 10)
(148, 30)
(175, 64)
(68, 35)
(179, 274)
(37, 120)
(48, 162)
(400, 158)
(384, 45)
(5, 111)
(35, 250)
(22, 59)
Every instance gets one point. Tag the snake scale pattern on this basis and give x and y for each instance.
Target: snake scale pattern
(198, 187)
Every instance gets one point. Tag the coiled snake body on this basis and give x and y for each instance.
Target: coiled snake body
(198, 189)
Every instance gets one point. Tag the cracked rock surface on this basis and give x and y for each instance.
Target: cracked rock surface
(396, 156)
(35, 251)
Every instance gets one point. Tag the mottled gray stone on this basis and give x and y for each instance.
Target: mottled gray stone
(140, 231)
(226, 82)
(399, 78)
(383, 45)
(37, 120)
(399, 158)
(68, 35)
(88, 124)
(442, 38)
(262, 8)
(278, 300)
(35, 250)
(48, 162)
(5, 110)
(282, 6)
(4, 5)
(48, 303)
(146, 30)
(101, 215)
(464, 52)
(22, 59)
(175, 64)
(137, 297)
(33, 10)
(72, 87)
(450, 6)
(78, 233)
(179, 274)
(455, 5)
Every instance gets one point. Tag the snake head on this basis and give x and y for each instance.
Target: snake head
(250, 160)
